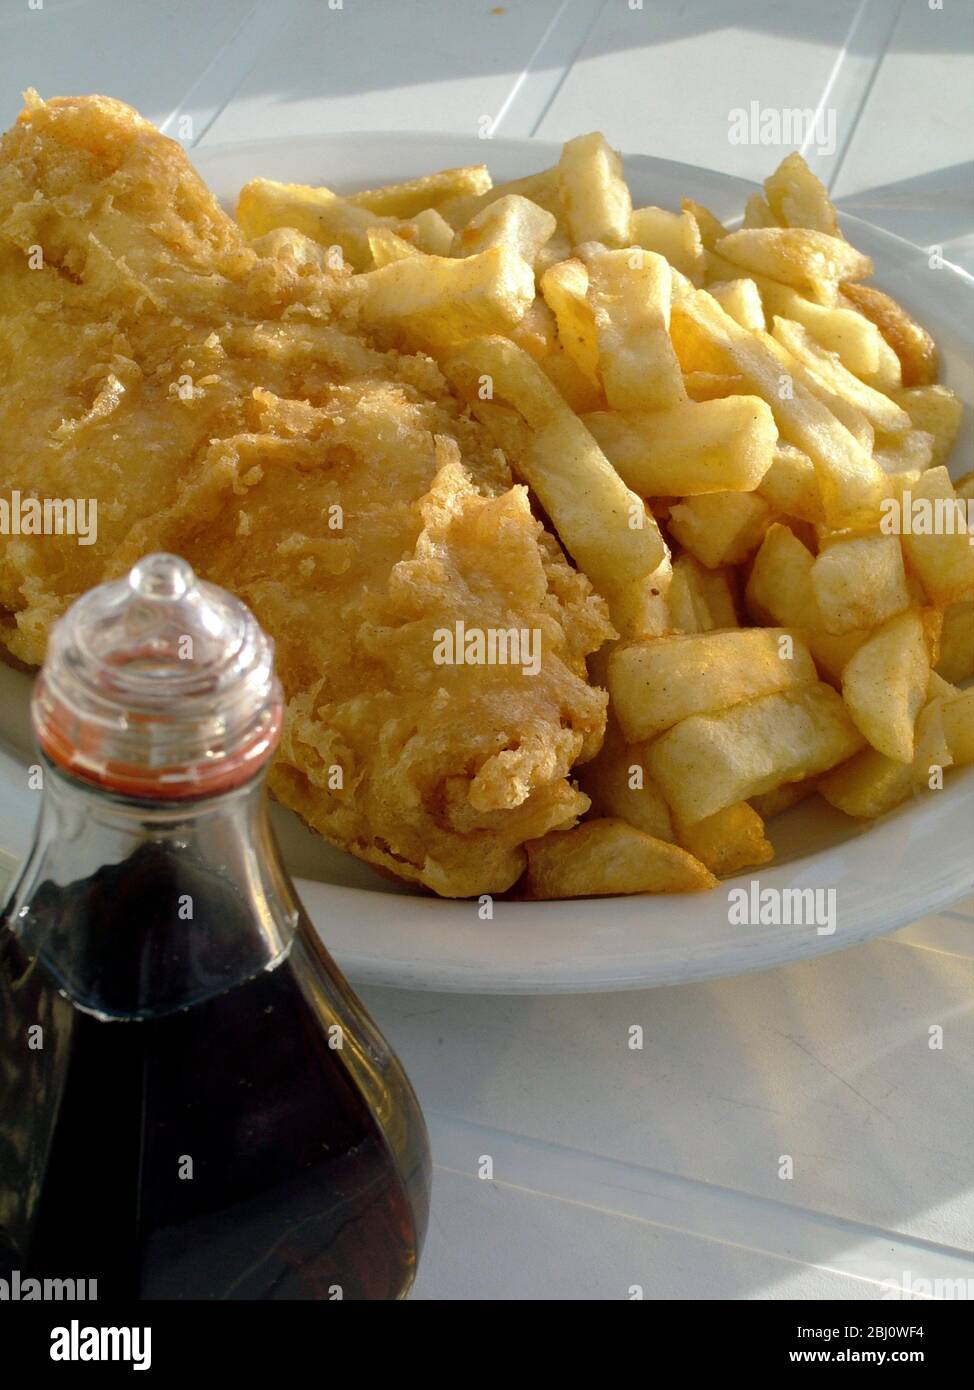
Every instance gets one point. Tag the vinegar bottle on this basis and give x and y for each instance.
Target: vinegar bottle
(193, 1103)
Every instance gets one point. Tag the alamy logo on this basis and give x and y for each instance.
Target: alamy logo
(911, 1286)
(18, 1290)
(492, 646)
(927, 516)
(755, 906)
(781, 127)
(77, 1343)
(49, 516)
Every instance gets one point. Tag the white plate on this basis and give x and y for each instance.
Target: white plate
(913, 861)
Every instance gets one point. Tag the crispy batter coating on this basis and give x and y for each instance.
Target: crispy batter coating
(211, 396)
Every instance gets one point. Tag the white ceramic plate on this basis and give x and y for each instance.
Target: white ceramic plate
(913, 861)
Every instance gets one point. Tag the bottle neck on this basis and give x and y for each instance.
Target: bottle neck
(137, 909)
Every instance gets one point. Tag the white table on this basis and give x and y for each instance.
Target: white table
(615, 1168)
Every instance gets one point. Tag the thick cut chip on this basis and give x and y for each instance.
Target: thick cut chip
(593, 192)
(758, 214)
(937, 538)
(430, 232)
(317, 212)
(701, 354)
(604, 527)
(408, 198)
(796, 374)
(655, 684)
(888, 375)
(608, 856)
(711, 230)
(790, 485)
(511, 221)
(798, 199)
(629, 293)
(711, 761)
(728, 841)
(812, 262)
(493, 369)
(714, 446)
(849, 479)
(860, 583)
(701, 599)
(882, 413)
(832, 652)
(721, 528)
(912, 344)
(332, 221)
(537, 332)
(935, 411)
(641, 607)
(780, 584)
(541, 188)
(742, 300)
(713, 386)
(674, 235)
(388, 246)
(956, 660)
(870, 784)
(837, 328)
(931, 751)
(557, 248)
(441, 301)
(619, 786)
(575, 388)
(565, 289)
(884, 684)
(911, 452)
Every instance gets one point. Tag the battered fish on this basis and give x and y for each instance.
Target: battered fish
(209, 395)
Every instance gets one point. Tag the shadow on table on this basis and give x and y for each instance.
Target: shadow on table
(426, 50)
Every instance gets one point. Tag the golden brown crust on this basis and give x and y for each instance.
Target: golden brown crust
(148, 287)
(911, 342)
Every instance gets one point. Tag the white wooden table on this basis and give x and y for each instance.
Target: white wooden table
(616, 1169)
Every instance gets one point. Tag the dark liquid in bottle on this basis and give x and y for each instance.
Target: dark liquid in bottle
(221, 1150)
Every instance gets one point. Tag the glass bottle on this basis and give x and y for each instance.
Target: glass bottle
(193, 1103)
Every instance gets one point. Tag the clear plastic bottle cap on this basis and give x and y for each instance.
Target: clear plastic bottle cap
(158, 685)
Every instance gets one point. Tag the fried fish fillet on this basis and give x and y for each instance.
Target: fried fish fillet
(210, 395)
